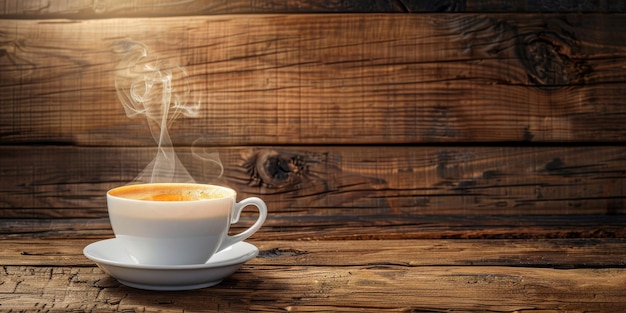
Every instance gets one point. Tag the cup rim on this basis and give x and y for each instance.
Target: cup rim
(231, 191)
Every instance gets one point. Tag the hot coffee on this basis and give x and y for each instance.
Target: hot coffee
(177, 224)
(171, 192)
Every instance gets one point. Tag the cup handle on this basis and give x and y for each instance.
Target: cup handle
(257, 202)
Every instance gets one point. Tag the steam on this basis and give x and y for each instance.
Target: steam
(161, 93)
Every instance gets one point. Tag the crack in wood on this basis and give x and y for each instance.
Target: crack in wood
(278, 252)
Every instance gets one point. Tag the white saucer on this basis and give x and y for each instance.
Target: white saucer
(113, 261)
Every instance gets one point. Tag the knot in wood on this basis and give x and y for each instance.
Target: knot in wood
(548, 60)
(270, 168)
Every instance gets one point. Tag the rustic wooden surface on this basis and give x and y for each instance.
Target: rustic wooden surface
(363, 227)
(49, 181)
(469, 161)
(364, 275)
(316, 79)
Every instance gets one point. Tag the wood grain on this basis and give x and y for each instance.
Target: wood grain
(335, 181)
(325, 79)
(135, 8)
(281, 226)
(547, 253)
(471, 162)
(260, 285)
(320, 289)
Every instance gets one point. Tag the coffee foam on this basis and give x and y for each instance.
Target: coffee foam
(185, 195)
(170, 192)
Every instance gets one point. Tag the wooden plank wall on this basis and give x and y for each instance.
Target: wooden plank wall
(439, 118)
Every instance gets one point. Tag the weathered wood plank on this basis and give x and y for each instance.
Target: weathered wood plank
(560, 253)
(371, 288)
(325, 79)
(360, 227)
(111, 8)
(335, 181)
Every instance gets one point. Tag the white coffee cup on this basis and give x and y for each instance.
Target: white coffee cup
(177, 223)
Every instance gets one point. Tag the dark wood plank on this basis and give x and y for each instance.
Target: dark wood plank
(360, 227)
(547, 253)
(325, 79)
(66, 181)
(134, 8)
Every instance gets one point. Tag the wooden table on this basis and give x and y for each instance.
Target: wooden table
(412, 160)
(43, 270)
